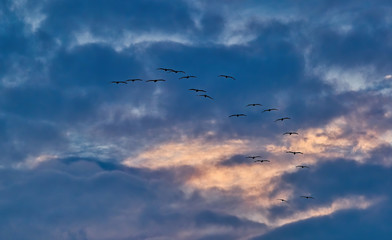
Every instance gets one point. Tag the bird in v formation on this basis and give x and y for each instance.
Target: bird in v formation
(301, 166)
(262, 160)
(233, 115)
(238, 115)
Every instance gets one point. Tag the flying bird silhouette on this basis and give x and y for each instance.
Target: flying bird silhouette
(282, 200)
(205, 96)
(176, 71)
(270, 109)
(197, 90)
(262, 160)
(281, 119)
(294, 152)
(117, 82)
(133, 80)
(156, 80)
(302, 166)
(238, 115)
(187, 77)
(253, 157)
(290, 133)
(307, 197)
(253, 104)
(165, 69)
(226, 76)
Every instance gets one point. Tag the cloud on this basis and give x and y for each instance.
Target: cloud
(107, 204)
(114, 160)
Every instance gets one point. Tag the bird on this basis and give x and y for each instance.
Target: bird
(282, 200)
(281, 119)
(197, 90)
(253, 157)
(307, 197)
(302, 166)
(133, 80)
(187, 77)
(238, 115)
(262, 160)
(290, 133)
(294, 152)
(165, 69)
(226, 76)
(270, 109)
(117, 82)
(176, 71)
(156, 80)
(206, 96)
(253, 104)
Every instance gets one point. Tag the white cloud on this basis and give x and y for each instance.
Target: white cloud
(129, 39)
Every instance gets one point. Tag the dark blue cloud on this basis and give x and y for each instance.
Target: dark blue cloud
(348, 224)
(70, 196)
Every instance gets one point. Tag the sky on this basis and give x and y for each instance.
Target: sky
(83, 158)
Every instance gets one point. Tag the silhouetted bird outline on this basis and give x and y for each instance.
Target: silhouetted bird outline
(197, 90)
(187, 77)
(262, 160)
(282, 200)
(226, 76)
(270, 109)
(156, 80)
(133, 80)
(205, 96)
(117, 82)
(165, 69)
(294, 152)
(302, 166)
(290, 133)
(253, 104)
(176, 71)
(253, 157)
(238, 115)
(281, 119)
(307, 197)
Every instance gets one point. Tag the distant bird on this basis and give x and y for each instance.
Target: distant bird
(175, 71)
(262, 160)
(156, 80)
(187, 77)
(226, 76)
(254, 105)
(307, 197)
(238, 115)
(165, 69)
(270, 109)
(253, 157)
(294, 152)
(302, 166)
(197, 90)
(290, 133)
(281, 119)
(133, 80)
(205, 96)
(117, 82)
(282, 200)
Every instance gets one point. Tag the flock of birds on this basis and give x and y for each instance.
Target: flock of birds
(255, 158)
